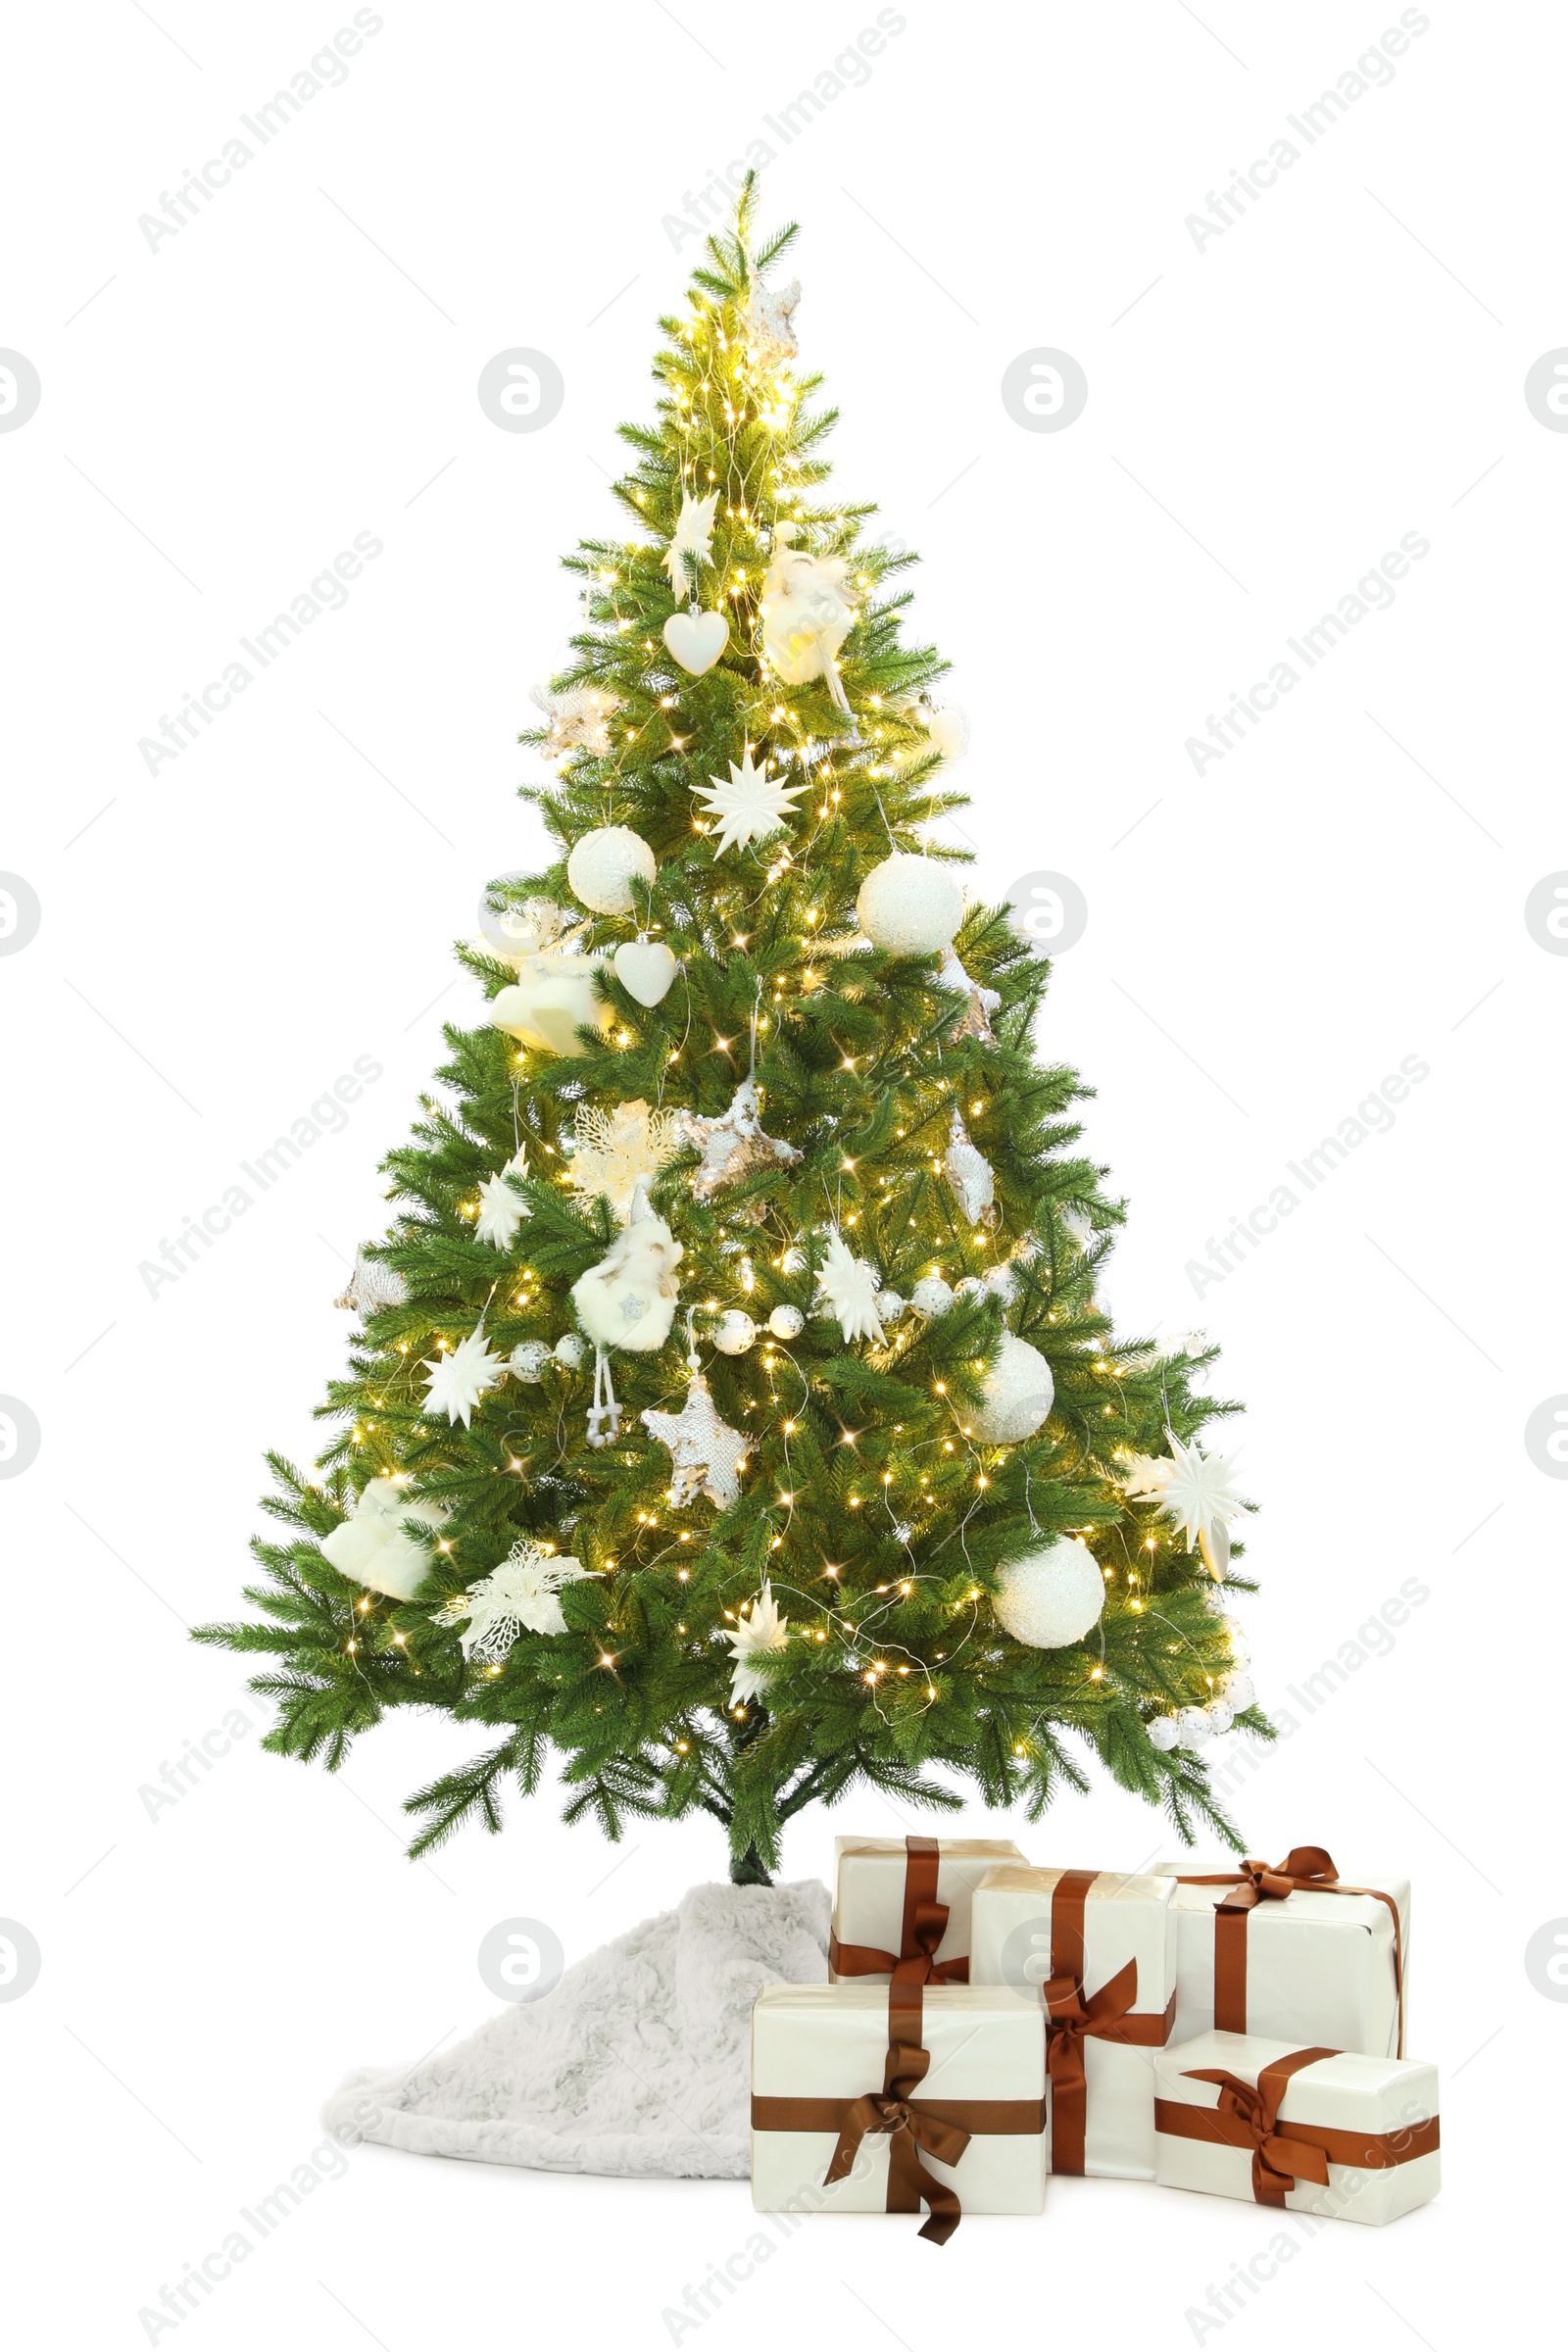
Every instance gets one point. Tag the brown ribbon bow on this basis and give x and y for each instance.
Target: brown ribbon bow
(924, 1923)
(912, 2126)
(1071, 2015)
(1247, 2116)
(1305, 1868)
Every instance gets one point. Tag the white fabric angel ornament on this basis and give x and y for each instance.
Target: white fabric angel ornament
(806, 613)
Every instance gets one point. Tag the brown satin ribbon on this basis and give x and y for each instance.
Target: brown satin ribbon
(1070, 2016)
(923, 1926)
(1304, 1867)
(942, 2128)
(1286, 2153)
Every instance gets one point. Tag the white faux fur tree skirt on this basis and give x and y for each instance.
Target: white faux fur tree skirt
(639, 2061)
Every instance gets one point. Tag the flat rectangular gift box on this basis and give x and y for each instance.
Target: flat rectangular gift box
(1314, 1966)
(1100, 1948)
(878, 1885)
(816, 2049)
(1335, 2132)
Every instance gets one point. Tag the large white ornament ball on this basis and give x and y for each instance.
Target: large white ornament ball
(569, 1351)
(787, 1322)
(528, 1360)
(552, 996)
(910, 906)
(1019, 1390)
(604, 865)
(1163, 1733)
(1238, 1690)
(735, 1333)
(931, 1297)
(1193, 1727)
(1051, 1598)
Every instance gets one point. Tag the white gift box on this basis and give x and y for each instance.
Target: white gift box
(874, 1878)
(1369, 2123)
(1319, 1967)
(819, 2048)
(1032, 1927)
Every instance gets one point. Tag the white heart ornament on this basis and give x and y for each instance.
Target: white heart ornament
(697, 639)
(646, 970)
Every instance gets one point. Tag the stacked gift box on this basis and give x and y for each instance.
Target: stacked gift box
(1239, 2032)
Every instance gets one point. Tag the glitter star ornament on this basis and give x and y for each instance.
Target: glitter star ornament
(501, 1210)
(980, 1002)
(617, 1150)
(706, 1454)
(752, 805)
(517, 1598)
(760, 1634)
(847, 1287)
(579, 718)
(691, 542)
(969, 1172)
(460, 1377)
(733, 1145)
(1193, 1490)
(370, 1287)
(770, 324)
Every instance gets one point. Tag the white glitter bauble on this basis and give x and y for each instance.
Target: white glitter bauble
(735, 1333)
(1238, 1690)
(971, 1287)
(529, 1361)
(1003, 1283)
(569, 1351)
(604, 865)
(1216, 1602)
(1241, 1655)
(1163, 1733)
(910, 906)
(890, 1305)
(1193, 1727)
(1019, 1390)
(932, 1296)
(1051, 1598)
(1221, 1715)
(787, 1322)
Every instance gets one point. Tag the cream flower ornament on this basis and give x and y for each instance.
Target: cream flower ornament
(750, 805)
(460, 1378)
(847, 1287)
(762, 1633)
(1193, 1490)
(519, 1596)
(690, 542)
(617, 1149)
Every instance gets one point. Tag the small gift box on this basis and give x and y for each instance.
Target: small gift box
(907, 1901)
(1100, 1948)
(1294, 1951)
(879, 2099)
(1326, 2131)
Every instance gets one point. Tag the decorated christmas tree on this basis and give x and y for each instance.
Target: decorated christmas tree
(732, 1413)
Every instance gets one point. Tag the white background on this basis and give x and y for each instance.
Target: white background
(1266, 416)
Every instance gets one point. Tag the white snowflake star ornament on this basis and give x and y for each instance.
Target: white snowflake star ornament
(706, 1454)
(1193, 1490)
(847, 1287)
(762, 1633)
(519, 1596)
(752, 805)
(690, 542)
(460, 1377)
(501, 1212)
